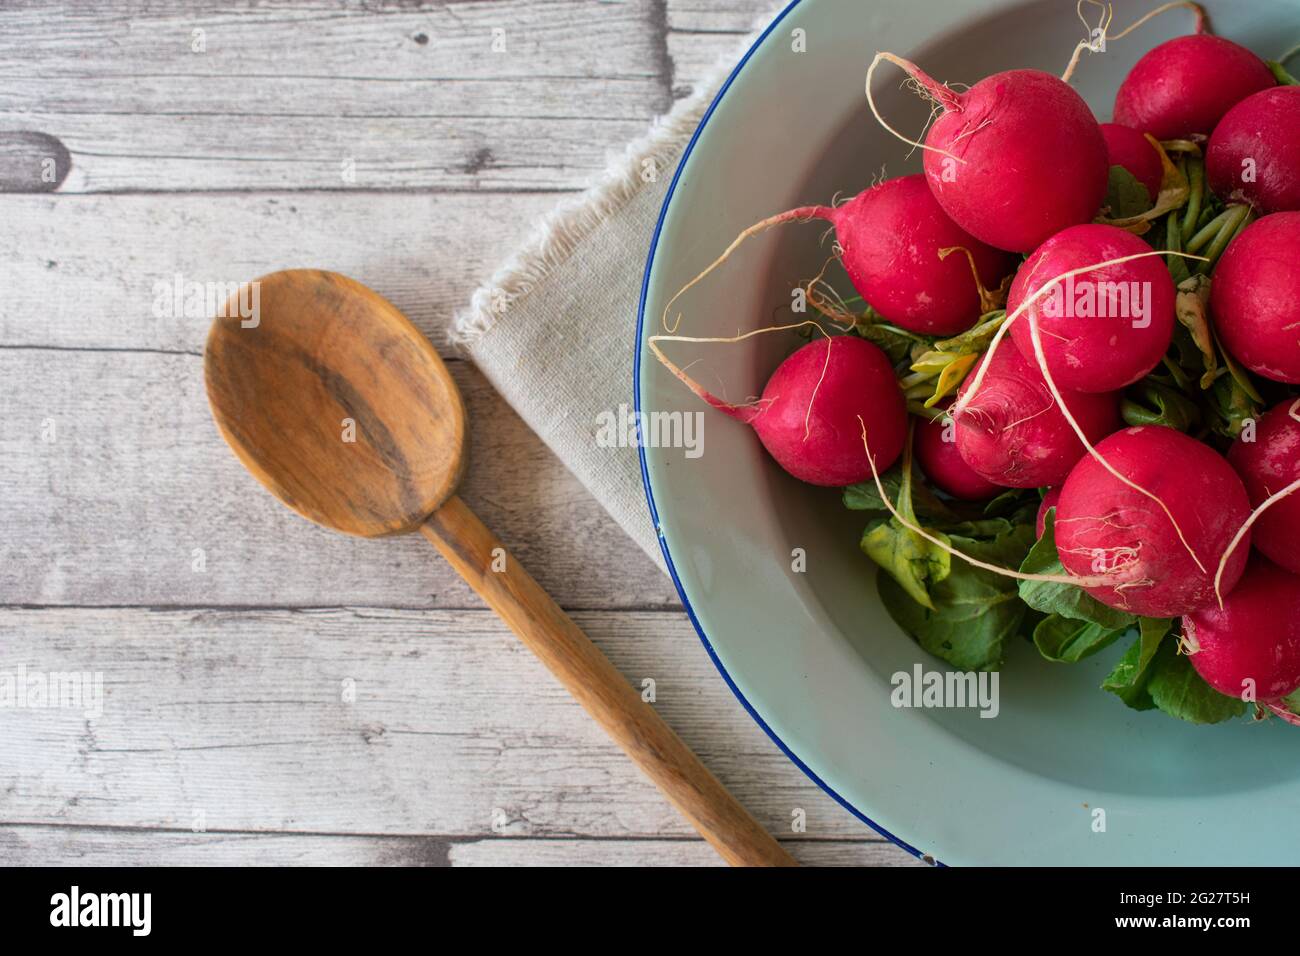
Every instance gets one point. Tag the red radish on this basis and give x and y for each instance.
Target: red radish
(1104, 526)
(891, 236)
(935, 447)
(1014, 159)
(1250, 648)
(815, 406)
(1130, 149)
(1267, 463)
(1101, 330)
(1183, 87)
(1011, 431)
(1049, 502)
(1254, 154)
(1255, 297)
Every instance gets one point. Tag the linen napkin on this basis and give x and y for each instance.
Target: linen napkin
(554, 329)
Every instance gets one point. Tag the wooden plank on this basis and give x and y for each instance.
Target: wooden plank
(111, 153)
(703, 36)
(525, 94)
(365, 721)
(721, 16)
(699, 57)
(83, 846)
(86, 271)
(493, 852)
(119, 490)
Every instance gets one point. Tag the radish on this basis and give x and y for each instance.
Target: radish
(894, 241)
(1267, 464)
(1101, 330)
(1160, 552)
(1254, 154)
(1250, 648)
(1011, 432)
(935, 447)
(1183, 87)
(1049, 502)
(815, 406)
(1255, 297)
(1133, 151)
(1014, 159)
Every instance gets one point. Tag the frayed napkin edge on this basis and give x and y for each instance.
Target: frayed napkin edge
(558, 235)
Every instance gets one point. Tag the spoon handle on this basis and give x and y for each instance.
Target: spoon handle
(598, 686)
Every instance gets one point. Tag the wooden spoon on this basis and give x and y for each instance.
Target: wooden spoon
(342, 409)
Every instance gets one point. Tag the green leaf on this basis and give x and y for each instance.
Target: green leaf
(1179, 691)
(975, 340)
(1010, 501)
(974, 611)
(897, 347)
(1068, 641)
(915, 563)
(1128, 679)
(1150, 402)
(925, 504)
(983, 528)
(1125, 196)
(1191, 308)
(1067, 600)
(915, 560)
(1233, 405)
(895, 342)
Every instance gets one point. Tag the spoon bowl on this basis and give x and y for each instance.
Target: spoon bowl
(337, 404)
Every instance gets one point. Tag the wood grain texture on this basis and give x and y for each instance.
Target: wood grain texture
(81, 846)
(608, 698)
(100, 271)
(704, 36)
(452, 727)
(210, 95)
(123, 443)
(721, 16)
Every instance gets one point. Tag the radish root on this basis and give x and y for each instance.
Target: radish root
(748, 411)
(1085, 582)
(1097, 43)
(940, 94)
(1279, 710)
(802, 214)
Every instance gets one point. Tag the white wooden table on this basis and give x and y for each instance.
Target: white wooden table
(274, 693)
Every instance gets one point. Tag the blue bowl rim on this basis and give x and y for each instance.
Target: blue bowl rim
(645, 474)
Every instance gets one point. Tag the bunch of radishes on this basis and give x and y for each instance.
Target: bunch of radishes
(1077, 308)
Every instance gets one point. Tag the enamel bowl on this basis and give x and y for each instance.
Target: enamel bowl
(1065, 773)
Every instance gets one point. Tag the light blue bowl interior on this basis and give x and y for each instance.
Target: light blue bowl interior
(811, 654)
